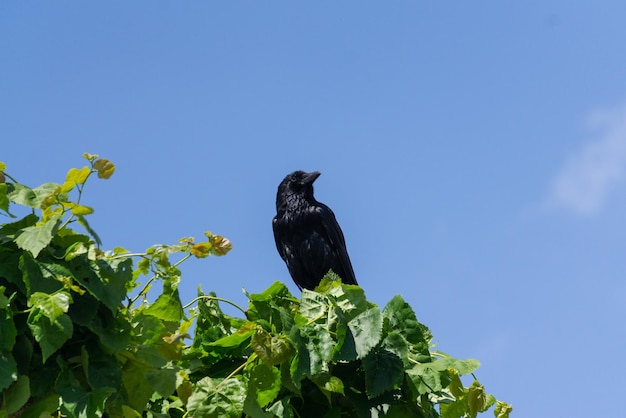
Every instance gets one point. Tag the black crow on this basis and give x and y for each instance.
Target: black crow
(307, 234)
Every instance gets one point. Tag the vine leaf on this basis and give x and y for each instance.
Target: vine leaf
(367, 330)
(8, 370)
(35, 238)
(383, 370)
(264, 383)
(217, 401)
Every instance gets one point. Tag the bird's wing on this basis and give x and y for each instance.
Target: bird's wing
(335, 235)
(277, 238)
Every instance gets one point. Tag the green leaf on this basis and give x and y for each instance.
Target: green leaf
(17, 395)
(136, 384)
(81, 220)
(318, 344)
(4, 199)
(328, 384)
(8, 231)
(237, 338)
(8, 332)
(34, 198)
(52, 306)
(477, 398)
(167, 307)
(43, 407)
(367, 330)
(78, 403)
(397, 344)
(105, 279)
(456, 409)
(51, 335)
(502, 410)
(36, 238)
(8, 370)
(456, 387)
(350, 300)
(162, 381)
(314, 306)
(402, 319)
(426, 377)
(33, 276)
(264, 383)
(224, 400)
(266, 305)
(282, 408)
(462, 367)
(23, 195)
(383, 371)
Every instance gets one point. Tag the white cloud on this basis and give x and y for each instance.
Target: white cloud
(587, 177)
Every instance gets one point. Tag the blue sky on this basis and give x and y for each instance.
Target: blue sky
(473, 153)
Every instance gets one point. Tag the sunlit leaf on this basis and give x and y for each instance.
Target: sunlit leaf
(237, 338)
(4, 199)
(82, 403)
(23, 195)
(265, 383)
(502, 410)
(201, 249)
(328, 383)
(402, 319)
(50, 305)
(367, 330)
(224, 400)
(74, 177)
(80, 210)
(314, 306)
(51, 335)
(36, 238)
(476, 397)
(167, 307)
(319, 346)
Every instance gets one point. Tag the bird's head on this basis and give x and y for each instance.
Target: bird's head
(298, 183)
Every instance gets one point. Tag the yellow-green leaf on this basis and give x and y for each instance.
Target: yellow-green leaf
(75, 176)
(502, 410)
(476, 397)
(201, 249)
(104, 167)
(81, 210)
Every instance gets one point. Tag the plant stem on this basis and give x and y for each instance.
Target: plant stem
(215, 298)
(153, 278)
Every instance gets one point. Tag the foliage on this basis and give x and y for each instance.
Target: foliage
(79, 338)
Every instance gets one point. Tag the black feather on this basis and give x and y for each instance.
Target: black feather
(307, 235)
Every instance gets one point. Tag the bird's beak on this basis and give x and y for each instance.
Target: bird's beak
(311, 177)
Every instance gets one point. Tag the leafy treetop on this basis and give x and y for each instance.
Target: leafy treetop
(79, 337)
